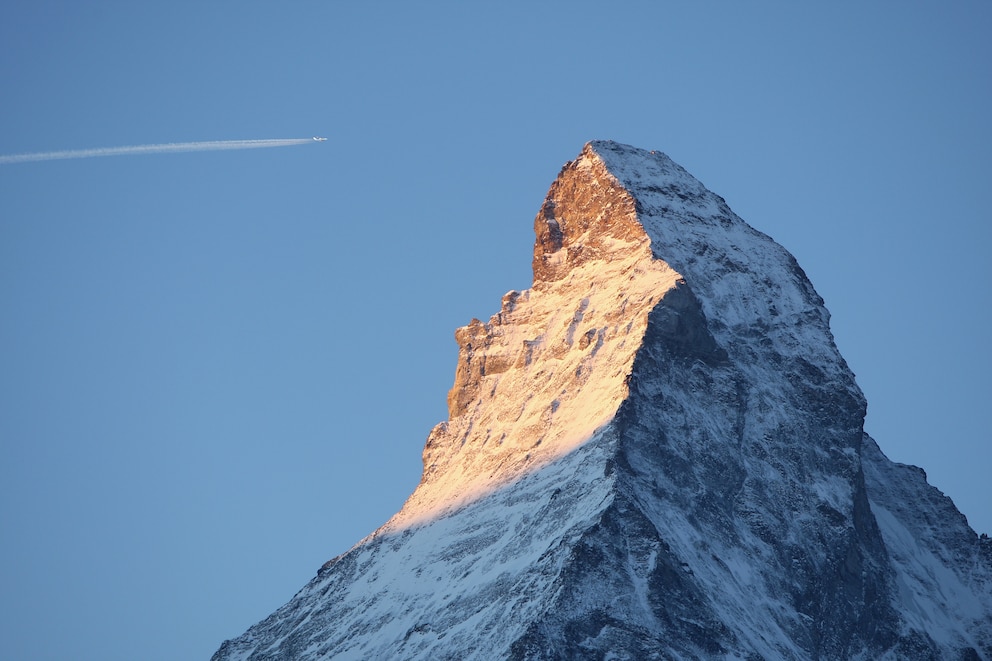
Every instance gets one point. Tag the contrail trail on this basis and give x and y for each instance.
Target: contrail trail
(169, 147)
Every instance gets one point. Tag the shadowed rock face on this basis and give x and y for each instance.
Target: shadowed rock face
(654, 452)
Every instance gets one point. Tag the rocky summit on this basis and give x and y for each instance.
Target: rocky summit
(655, 452)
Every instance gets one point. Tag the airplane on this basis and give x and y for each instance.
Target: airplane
(319, 139)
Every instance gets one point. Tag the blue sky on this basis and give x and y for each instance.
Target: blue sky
(218, 369)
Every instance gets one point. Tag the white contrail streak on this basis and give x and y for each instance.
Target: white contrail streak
(169, 147)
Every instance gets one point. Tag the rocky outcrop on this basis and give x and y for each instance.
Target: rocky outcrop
(656, 451)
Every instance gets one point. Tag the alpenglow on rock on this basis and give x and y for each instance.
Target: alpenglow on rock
(656, 452)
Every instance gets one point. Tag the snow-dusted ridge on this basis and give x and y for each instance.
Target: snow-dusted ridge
(655, 452)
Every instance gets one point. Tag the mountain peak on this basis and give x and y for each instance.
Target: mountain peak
(551, 367)
(623, 233)
(656, 451)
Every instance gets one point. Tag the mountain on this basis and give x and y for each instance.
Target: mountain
(656, 452)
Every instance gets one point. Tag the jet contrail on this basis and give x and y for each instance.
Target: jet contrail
(169, 147)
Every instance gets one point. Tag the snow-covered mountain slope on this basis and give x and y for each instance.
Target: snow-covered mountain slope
(654, 452)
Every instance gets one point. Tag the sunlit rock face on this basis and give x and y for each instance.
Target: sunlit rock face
(548, 370)
(654, 452)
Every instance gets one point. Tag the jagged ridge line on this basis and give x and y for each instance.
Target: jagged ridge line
(163, 148)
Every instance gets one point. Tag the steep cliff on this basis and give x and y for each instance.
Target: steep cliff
(655, 452)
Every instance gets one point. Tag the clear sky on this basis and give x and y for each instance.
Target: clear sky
(218, 369)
